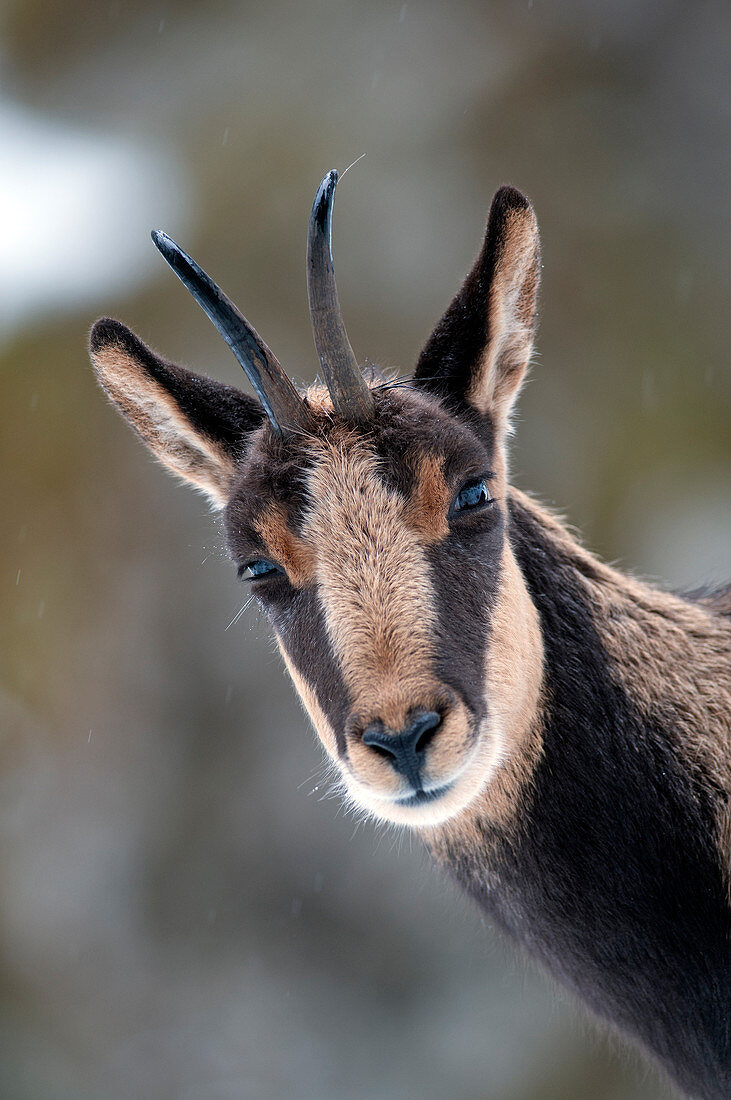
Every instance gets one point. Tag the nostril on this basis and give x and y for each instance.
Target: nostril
(379, 750)
(376, 738)
(423, 728)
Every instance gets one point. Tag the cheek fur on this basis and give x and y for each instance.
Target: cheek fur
(465, 572)
(299, 623)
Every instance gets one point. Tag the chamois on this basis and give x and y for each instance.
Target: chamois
(558, 733)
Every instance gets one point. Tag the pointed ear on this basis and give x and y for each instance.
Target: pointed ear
(193, 425)
(479, 352)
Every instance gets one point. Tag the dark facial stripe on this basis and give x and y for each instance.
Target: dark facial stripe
(465, 570)
(299, 622)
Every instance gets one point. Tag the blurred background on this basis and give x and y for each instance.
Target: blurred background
(184, 912)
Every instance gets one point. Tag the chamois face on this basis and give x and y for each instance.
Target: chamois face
(371, 524)
(384, 548)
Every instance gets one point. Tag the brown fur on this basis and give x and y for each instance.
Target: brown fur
(309, 700)
(672, 657)
(510, 319)
(509, 757)
(427, 507)
(380, 620)
(158, 420)
(284, 548)
(563, 690)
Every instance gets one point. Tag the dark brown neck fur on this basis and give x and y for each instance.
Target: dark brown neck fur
(613, 873)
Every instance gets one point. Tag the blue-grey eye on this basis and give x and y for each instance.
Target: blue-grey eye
(259, 568)
(474, 494)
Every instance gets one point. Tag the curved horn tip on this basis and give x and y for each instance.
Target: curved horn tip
(282, 403)
(330, 181)
(165, 244)
(348, 389)
(322, 206)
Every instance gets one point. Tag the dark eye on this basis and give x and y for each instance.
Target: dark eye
(259, 568)
(474, 494)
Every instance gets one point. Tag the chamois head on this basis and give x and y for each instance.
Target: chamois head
(370, 518)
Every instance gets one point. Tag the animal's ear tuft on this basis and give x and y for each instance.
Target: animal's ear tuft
(193, 425)
(106, 331)
(479, 352)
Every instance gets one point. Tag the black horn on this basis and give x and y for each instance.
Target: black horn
(282, 403)
(350, 395)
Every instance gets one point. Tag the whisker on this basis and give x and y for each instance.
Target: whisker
(393, 383)
(240, 612)
(319, 774)
(352, 165)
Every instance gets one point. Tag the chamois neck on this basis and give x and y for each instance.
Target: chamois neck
(668, 654)
(533, 527)
(610, 871)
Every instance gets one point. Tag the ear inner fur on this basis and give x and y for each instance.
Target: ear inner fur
(479, 351)
(193, 425)
(511, 318)
(157, 419)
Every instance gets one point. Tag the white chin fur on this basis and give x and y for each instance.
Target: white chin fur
(463, 789)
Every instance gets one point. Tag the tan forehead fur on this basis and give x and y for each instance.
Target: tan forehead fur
(424, 513)
(373, 581)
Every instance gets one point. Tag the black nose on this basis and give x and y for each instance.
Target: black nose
(405, 749)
